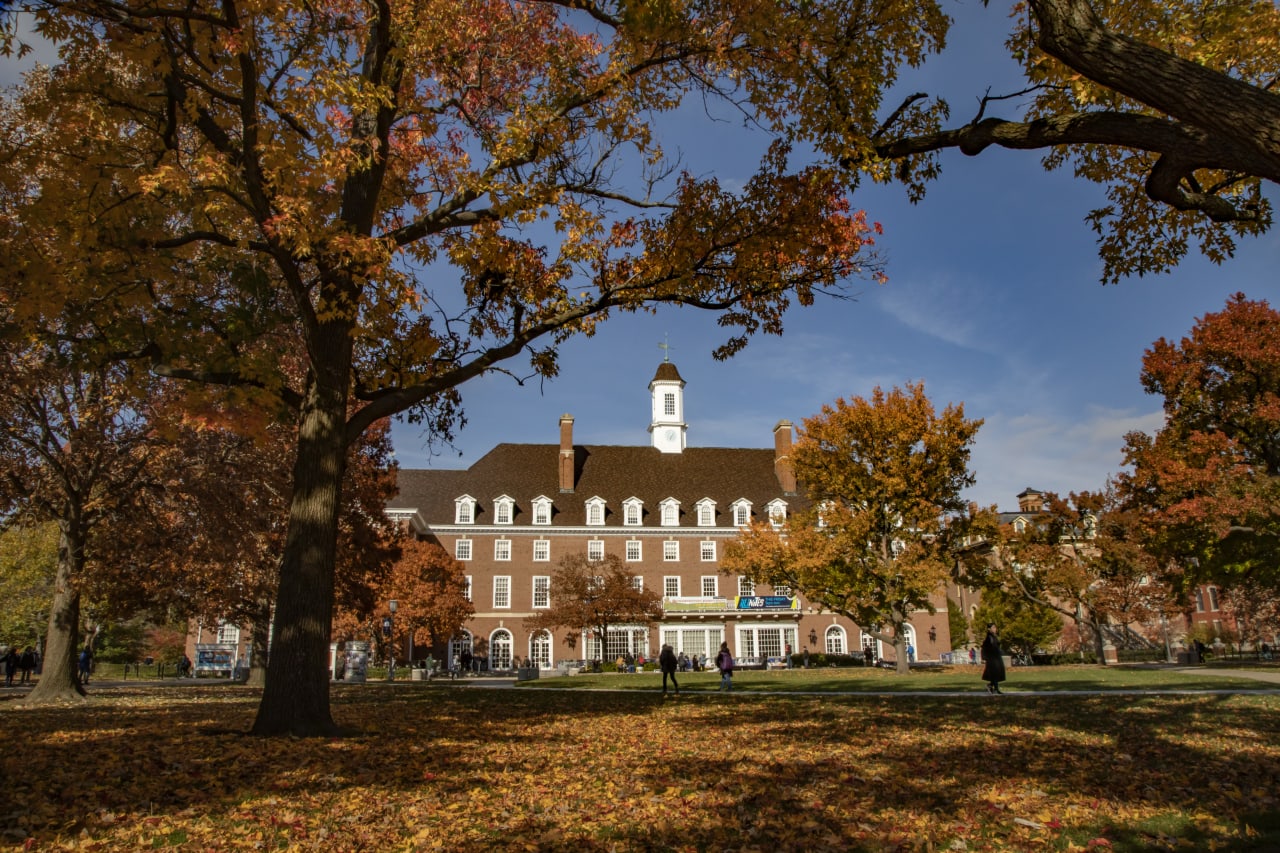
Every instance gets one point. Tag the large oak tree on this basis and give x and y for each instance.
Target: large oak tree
(1170, 105)
(418, 193)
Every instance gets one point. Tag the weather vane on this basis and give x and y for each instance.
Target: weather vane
(666, 348)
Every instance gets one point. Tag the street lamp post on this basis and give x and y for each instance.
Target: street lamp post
(392, 605)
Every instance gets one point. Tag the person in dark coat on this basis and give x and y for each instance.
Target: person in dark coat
(992, 659)
(724, 663)
(668, 664)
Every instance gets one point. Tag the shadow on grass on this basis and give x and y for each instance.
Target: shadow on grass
(594, 771)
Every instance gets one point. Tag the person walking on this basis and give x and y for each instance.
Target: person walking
(27, 664)
(86, 664)
(10, 665)
(992, 659)
(668, 664)
(724, 663)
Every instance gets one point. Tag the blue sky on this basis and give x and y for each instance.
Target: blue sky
(993, 301)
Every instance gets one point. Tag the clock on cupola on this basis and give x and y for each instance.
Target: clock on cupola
(666, 392)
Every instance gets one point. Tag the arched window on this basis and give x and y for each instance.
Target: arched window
(500, 649)
(670, 512)
(540, 649)
(835, 641)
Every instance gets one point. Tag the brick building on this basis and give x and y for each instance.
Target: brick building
(665, 508)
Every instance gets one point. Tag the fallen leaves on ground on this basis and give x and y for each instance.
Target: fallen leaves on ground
(436, 768)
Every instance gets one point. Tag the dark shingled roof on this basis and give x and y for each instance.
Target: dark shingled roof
(526, 471)
(667, 373)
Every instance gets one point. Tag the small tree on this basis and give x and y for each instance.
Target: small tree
(1025, 626)
(595, 595)
(884, 476)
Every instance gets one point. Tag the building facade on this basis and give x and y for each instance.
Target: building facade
(666, 509)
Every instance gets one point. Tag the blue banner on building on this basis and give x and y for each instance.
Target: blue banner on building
(767, 602)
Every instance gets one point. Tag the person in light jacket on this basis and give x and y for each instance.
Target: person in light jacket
(992, 659)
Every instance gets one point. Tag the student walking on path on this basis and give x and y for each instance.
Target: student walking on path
(668, 664)
(724, 663)
(992, 659)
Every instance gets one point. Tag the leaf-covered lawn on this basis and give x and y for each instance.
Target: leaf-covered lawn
(442, 767)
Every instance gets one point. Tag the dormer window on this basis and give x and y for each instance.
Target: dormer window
(504, 509)
(595, 512)
(632, 512)
(706, 513)
(464, 510)
(670, 512)
(542, 510)
(741, 513)
(777, 512)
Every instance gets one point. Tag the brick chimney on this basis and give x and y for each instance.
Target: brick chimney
(566, 453)
(782, 464)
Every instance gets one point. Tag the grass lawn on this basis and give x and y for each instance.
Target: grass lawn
(964, 679)
(441, 766)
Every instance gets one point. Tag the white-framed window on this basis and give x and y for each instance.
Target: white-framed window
(741, 513)
(632, 512)
(707, 550)
(464, 510)
(462, 549)
(671, 550)
(834, 640)
(634, 551)
(671, 586)
(502, 591)
(1213, 598)
(777, 512)
(595, 512)
(542, 510)
(746, 586)
(710, 586)
(706, 513)
(502, 550)
(670, 513)
(540, 649)
(541, 592)
(637, 583)
(504, 510)
(595, 549)
(669, 404)
(541, 550)
(1200, 600)
(228, 634)
(466, 590)
(784, 591)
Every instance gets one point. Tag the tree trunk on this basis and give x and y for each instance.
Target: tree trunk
(295, 700)
(1098, 641)
(58, 680)
(259, 631)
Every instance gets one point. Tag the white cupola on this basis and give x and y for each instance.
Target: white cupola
(666, 391)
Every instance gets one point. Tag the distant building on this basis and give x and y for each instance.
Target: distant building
(666, 509)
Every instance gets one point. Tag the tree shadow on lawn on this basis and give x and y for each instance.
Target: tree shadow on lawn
(597, 770)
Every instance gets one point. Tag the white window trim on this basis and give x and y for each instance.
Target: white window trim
(638, 547)
(595, 505)
(546, 592)
(715, 586)
(669, 512)
(671, 551)
(464, 510)
(740, 507)
(545, 545)
(629, 506)
(703, 546)
(496, 579)
(706, 513)
(542, 508)
(595, 549)
(776, 510)
(461, 545)
(666, 582)
(501, 554)
(466, 592)
(504, 503)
